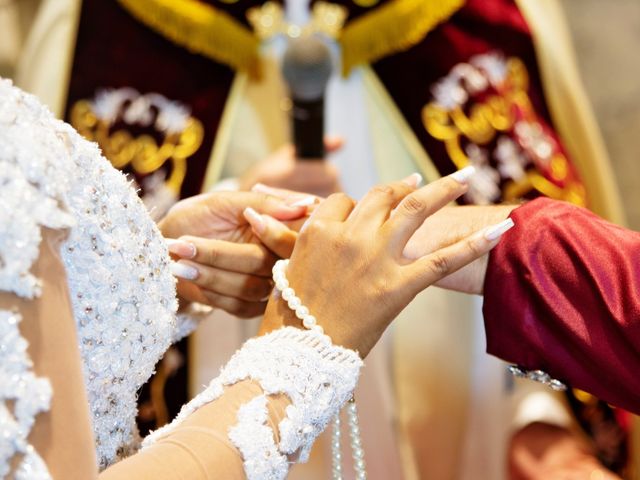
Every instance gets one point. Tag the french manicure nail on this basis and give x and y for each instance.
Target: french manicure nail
(255, 219)
(463, 175)
(304, 202)
(260, 187)
(181, 248)
(182, 270)
(494, 232)
(413, 180)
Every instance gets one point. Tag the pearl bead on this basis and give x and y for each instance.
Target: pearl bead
(287, 293)
(302, 312)
(309, 321)
(294, 302)
(318, 329)
(282, 285)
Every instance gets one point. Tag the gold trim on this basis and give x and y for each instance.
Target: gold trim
(200, 28)
(395, 26)
(414, 147)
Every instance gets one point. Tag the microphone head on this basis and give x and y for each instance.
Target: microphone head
(306, 67)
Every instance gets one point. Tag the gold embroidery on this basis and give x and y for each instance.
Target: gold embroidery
(392, 27)
(200, 28)
(366, 3)
(509, 109)
(142, 153)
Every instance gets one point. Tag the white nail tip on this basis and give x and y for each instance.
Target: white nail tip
(184, 271)
(463, 175)
(305, 202)
(414, 180)
(494, 232)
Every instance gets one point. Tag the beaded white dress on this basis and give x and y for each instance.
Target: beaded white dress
(124, 305)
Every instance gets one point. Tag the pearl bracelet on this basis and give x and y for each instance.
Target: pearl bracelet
(310, 322)
(289, 296)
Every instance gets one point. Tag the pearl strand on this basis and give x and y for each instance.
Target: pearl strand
(310, 322)
(336, 454)
(356, 442)
(289, 296)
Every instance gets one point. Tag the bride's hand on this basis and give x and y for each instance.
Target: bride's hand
(220, 261)
(348, 266)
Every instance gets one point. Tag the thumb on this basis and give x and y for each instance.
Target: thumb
(275, 235)
(333, 143)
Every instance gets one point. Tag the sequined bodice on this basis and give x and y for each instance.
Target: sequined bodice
(122, 292)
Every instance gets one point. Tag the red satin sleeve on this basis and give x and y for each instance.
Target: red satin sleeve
(562, 294)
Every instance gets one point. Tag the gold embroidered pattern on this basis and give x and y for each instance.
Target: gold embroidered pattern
(181, 133)
(528, 157)
(200, 28)
(392, 27)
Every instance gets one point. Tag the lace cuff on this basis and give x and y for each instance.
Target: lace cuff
(317, 376)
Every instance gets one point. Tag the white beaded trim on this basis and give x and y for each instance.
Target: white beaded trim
(310, 322)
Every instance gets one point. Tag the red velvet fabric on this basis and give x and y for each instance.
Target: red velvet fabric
(479, 27)
(562, 294)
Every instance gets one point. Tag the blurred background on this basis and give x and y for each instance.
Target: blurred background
(606, 36)
(418, 418)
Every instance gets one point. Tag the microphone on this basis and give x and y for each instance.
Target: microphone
(306, 68)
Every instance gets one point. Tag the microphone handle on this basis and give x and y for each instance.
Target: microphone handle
(308, 129)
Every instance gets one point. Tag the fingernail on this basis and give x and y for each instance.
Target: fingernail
(181, 270)
(261, 188)
(463, 175)
(305, 202)
(495, 231)
(413, 180)
(181, 248)
(255, 219)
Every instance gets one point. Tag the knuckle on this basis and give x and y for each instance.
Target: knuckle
(382, 190)
(474, 249)
(212, 254)
(207, 278)
(413, 205)
(440, 265)
(314, 228)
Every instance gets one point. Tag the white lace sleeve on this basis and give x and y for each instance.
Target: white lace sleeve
(32, 191)
(317, 376)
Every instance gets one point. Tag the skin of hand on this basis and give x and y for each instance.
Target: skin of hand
(220, 261)
(348, 265)
(541, 451)
(283, 235)
(281, 170)
(450, 225)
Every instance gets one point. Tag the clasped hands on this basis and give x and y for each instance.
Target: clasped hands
(227, 242)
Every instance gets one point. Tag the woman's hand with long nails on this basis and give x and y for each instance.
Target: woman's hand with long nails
(219, 260)
(348, 265)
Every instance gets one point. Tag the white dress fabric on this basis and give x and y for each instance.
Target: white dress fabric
(124, 305)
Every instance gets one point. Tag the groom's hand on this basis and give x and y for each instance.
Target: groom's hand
(220, 261)
(448, 226)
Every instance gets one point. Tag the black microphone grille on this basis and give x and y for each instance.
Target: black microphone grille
(306, 67)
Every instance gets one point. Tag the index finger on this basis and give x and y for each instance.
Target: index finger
(248, 258)
(417, 206)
